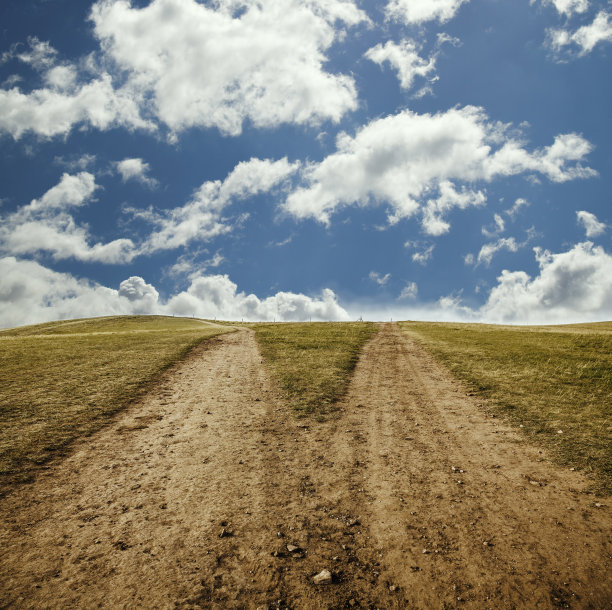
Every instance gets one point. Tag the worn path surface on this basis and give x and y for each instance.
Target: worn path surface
(412, 497)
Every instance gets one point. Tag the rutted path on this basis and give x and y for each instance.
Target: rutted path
(191, 497)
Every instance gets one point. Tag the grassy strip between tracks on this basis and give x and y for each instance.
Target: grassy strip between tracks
(63, 380)
(554, 381)
(313, 362)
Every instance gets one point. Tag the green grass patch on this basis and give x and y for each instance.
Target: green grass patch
(313, 361)
(63, 380)
(546, 378)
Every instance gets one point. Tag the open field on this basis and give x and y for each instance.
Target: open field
(63, 380)
(555, 382)
(313, 361)
(208, 492)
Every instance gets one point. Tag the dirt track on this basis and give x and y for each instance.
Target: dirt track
(412, 497)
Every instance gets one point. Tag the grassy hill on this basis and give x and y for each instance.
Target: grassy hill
(554, 382)
(62, 380)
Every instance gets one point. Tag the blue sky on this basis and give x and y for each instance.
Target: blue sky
(306, 159)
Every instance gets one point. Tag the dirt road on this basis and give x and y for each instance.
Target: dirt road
(209, 493)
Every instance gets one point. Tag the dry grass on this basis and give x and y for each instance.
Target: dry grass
(546, 379)
(313, 361)
(63, 380)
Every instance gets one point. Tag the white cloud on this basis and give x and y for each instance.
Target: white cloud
(409, 291)
(142, 296)
(488, 251)
(449, 197)
(592, 226)
(568, 7)
(72, 96)
(423, 253)
(498, 227)
(38, 54)
(586, 37)
(136, 169)
(45, 225)
(31, 293)
(217, 296)
(404, 58)
(571, 286)
(518, 204)
(202, 217)
(56, 110)
(411, 160)
(379, 279)
(221, 64)
(419, 11)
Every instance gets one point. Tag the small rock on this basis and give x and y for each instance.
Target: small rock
(324, 577)
(598, 504)
(225, 533)
(559, 431)
(486, 543)
(292, 548)
(353, 522)
(425, 552)
(392, 588)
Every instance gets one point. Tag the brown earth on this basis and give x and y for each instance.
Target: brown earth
(412, 497)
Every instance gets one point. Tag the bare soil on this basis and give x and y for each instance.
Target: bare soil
(411, 497)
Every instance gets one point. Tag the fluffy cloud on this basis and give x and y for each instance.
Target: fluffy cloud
(414, 161)
(571, 286)
(46, 224)
(586, 37)
(202, 217)
(31, 293)
(221, 64)
(420, 11)
(71, 97)
(568, 7)
(217, 296)
(404, 58)
(591, 225)
(135, 169)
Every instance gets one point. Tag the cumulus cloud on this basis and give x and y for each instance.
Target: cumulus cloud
(72, 96)
(219, 64)
(568, 7)
(586, 37)
(404, 58)
(47, 225)
(136, 169)
(413, 161)
(30, 293)
(592, 226)
(571, 286)
(420, 11)
(217, 296)
(202, 217)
